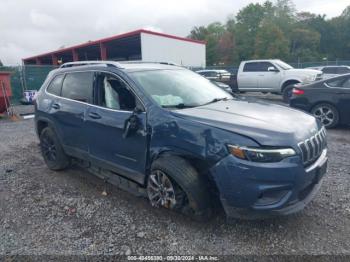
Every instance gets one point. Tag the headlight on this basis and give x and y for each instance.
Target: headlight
(310, 78)
(264, 155)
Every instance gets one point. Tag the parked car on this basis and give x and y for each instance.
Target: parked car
(332, 71)
(218, 75)
(223, 86)
(273, 76)
(166, 133)
(327, 100)
(28, 97)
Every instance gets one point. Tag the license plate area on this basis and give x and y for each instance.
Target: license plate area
(320, 172)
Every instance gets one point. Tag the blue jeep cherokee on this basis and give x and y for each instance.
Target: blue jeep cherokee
(167, 133)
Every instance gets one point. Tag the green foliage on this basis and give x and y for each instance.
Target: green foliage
(304, 43)
(270, 42)
(275, 30)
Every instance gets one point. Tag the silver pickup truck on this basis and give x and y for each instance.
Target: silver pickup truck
(273, 76)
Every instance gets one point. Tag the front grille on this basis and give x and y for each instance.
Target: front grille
(312, 147)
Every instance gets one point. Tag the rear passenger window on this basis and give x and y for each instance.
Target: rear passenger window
(251, 67)
(55, 85)
(78, 86)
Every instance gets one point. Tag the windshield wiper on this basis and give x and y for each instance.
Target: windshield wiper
(180, 106)
(217, 100)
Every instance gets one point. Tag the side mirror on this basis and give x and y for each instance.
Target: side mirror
(137, 110)
(272, 69)
(132, 124)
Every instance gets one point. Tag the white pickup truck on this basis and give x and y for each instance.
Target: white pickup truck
(273, 76)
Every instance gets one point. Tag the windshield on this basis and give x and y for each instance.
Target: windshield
(283, 65)
(179, 88)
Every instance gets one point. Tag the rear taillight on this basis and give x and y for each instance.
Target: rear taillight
(298, 92)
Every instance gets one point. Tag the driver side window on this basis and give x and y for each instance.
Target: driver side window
(113, 93)
(264, 66)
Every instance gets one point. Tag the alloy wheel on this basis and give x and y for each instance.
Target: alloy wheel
(48, 148)
(160, 190)
(325, 114)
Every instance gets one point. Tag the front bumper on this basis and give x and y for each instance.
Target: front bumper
(252, 190)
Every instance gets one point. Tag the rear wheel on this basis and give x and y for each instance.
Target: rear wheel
(175, 184)
(52, 151)
(327, 114)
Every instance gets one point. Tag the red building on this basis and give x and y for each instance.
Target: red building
(143, 45)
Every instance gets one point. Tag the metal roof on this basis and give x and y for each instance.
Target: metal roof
(105, 40)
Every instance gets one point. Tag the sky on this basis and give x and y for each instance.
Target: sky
(32, 27)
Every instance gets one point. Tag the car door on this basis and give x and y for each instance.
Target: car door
(343, 93)
(268, 79)
(248, 78)
(68, 111)
(108, 123)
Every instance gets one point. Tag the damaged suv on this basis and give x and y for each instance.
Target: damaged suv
(166, 133)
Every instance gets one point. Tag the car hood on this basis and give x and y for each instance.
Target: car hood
(268, 124)
(303, 71)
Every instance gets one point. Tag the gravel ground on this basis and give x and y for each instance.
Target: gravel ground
(46, 212)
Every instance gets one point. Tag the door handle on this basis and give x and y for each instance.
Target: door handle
(56, 106)
(94, 115)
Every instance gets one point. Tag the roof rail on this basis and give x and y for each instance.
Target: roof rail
(148, 62)
(82, 63)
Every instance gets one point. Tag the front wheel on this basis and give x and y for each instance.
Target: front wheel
(174, 184)
(327, 114)
(52, 151)
(287, 93)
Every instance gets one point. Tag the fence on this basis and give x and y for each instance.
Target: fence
(29, 77)
(320, 63)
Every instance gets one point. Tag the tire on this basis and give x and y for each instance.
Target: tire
(52, 151)
(191, 194)
(287, 93)
(327, 114)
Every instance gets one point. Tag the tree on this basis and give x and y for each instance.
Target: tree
(198, 33)
(340, 26)
(346, 12)
(226, 48)
(304, 16)
(1, 64)
(275, 29)
(305, 43)
(212, 35)
(270, 42)
(248, 22)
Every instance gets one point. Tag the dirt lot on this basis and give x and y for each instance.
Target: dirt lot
(45, 212)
